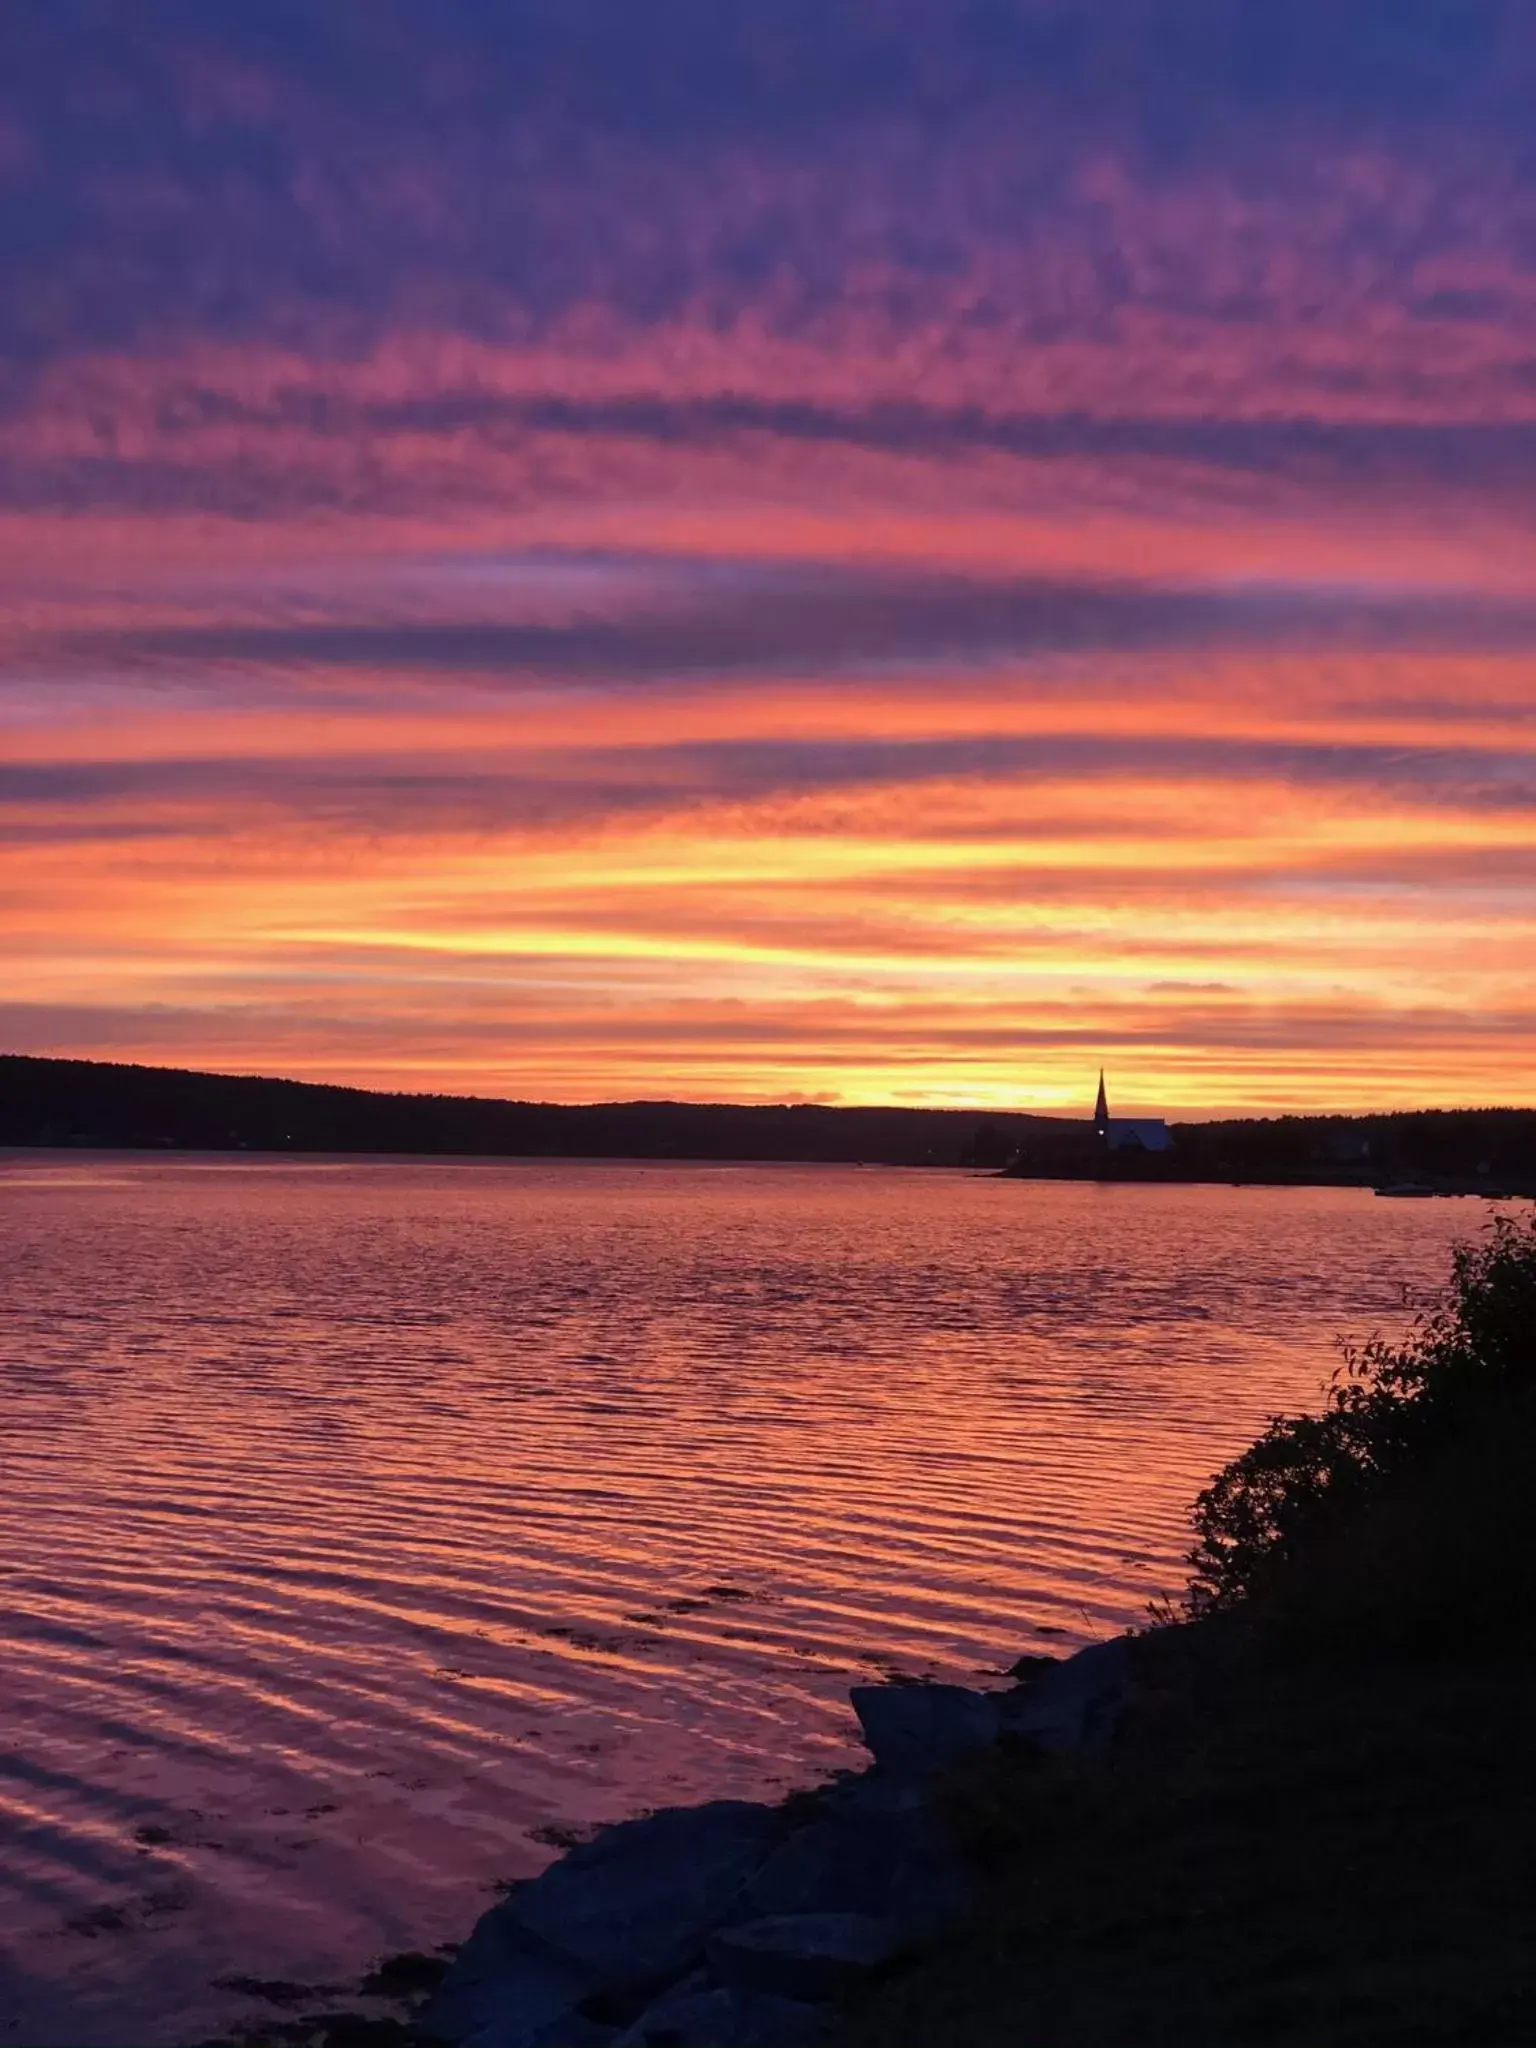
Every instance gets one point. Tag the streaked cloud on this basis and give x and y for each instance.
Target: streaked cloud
(886, 550)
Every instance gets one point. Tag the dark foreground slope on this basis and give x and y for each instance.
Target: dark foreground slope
(1280, 1855)
(1319, 1826)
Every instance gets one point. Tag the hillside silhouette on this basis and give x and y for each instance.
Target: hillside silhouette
(85, 1103)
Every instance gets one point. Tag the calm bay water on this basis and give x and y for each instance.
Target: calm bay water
(363, 1521)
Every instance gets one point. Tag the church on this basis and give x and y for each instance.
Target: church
(1128, 1133)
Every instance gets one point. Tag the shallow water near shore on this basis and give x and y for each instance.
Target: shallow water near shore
(370, 1525)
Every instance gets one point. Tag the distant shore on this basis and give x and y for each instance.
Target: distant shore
(92, 1105)
(1508, 1188)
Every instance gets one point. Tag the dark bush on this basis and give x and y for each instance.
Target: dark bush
(1411, 1490)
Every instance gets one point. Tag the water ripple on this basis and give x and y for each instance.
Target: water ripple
(362, 1521)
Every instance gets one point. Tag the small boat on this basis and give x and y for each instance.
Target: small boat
(1404, 1189)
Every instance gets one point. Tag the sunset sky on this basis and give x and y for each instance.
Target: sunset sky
(876, 550)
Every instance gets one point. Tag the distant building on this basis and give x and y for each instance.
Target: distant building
(1128, 1133)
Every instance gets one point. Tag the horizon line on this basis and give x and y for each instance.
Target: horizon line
(781, 1103)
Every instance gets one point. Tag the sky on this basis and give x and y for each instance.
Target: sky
(757, 550)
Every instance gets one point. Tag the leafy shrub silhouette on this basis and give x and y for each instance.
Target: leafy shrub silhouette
(1423, 1450)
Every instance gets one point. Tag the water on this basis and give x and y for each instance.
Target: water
(364, 1520)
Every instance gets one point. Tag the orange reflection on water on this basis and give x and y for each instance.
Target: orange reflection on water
(364, 1517)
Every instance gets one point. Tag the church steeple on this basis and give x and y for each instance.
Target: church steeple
(1101, 1108)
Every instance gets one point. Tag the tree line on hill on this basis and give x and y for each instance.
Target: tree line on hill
(47, 1102)
(85, 1103)
(1455, 1149)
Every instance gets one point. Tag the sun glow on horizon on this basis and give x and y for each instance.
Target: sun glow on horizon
(1256, 879)
(743, 584)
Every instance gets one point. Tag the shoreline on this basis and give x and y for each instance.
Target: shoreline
(1452, 1189)
(738, 1922)
(1199, 1832)
(1181, 1820)
(734, 1923)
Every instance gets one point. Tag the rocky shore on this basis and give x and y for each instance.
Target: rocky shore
(736, 1925)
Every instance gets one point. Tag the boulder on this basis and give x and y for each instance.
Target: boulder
(807, 1957)
(725, 2019)
(633, 1906)
(570, 2030)
(896, 1864)
(502, 1988)
(1076, 1703)
(877, 1795)
(834, 1865)
(914, 1730)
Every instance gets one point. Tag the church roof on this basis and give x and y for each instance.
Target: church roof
(1146, 1133)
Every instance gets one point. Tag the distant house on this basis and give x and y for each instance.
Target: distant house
(1128, 1133)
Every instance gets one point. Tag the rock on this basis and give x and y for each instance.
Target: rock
(501, 1980)
(804, 1956)
(405, 1975)
(725, 2019)
(831, 1866)
(896, 1864)
(571, 2030)
(876, 1793)
(914, 1730)
(633, 1906)
(926, 1899)
(1076, 1704)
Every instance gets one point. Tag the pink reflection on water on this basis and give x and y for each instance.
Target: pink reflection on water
(364, 1520)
